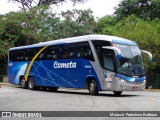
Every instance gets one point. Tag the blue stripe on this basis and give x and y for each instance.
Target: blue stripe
(123, 41)
(129, 79)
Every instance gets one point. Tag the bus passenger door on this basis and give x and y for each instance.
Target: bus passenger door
(108, 64)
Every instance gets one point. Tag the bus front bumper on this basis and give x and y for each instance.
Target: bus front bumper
(122, 85)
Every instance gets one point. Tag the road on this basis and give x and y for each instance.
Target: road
(14, 98)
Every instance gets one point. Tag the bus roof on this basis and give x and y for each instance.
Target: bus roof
(112, 39)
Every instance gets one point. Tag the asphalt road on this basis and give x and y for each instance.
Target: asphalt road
(14, 98)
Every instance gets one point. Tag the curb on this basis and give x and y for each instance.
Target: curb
(152, 90)
(6, 84)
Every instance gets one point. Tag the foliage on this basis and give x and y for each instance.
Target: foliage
(78, 22)
(40, 24)
(28, 4)
(145, 9)
(104, 25)
(23, 28)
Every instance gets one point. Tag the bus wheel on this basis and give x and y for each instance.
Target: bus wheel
(53, 89)
(117, 93)
(93, 88)
(31, 84)
(23, 83)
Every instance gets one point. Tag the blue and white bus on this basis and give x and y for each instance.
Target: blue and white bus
(95, 62)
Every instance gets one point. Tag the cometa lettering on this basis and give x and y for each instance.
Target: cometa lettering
(64, 65)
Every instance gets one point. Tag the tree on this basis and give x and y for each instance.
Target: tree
(104, 25)
(145, 9)
(78, 22)
(39, 25)
(28, 4)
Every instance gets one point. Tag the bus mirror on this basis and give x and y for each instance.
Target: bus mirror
(150, 55)
(115, 49)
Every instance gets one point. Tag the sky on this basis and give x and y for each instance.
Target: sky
(100, 8)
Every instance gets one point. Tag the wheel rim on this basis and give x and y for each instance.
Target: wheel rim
(31, 84)
(23, 83)
(92, 87)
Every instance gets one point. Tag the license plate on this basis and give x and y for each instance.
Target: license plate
(135, 88)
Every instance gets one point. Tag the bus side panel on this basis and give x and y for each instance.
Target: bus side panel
(62, 73)
(78, 76)
(15, 70)
(43, 74)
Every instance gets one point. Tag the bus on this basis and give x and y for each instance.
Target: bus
(93, 62)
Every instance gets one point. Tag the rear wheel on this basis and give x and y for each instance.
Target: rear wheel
(31, 84)
(117, 93)
(93, 87)
(23, 83)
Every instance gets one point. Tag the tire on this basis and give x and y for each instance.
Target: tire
(23, 83)
(31, 84)
(93, 87)
(117, 93)
(53, 89)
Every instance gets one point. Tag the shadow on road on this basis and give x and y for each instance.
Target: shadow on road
(103, 94)
(78, 92)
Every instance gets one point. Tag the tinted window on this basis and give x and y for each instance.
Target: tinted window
(83, 50)
(108, 60)
(98, 47)
(50, 53)
(23, 54)
(66, 51)
(106, 57)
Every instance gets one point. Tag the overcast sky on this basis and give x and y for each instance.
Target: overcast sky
(100, 8)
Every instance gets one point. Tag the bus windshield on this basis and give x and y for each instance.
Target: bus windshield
(131, 63)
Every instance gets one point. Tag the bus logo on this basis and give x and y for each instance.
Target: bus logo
(64, 65)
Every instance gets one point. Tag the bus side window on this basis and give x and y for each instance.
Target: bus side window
(25, 57)
(30, 53)
(81, 53)
(12, 56)
(68, 51)
(51, 53)
(89, 55)
(83, 50)
(41, 56)
(99, 51)
(108, 60)
(18, 56)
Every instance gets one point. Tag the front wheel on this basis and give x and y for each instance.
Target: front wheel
(117, 93)
(31, 84)
(93, 88)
